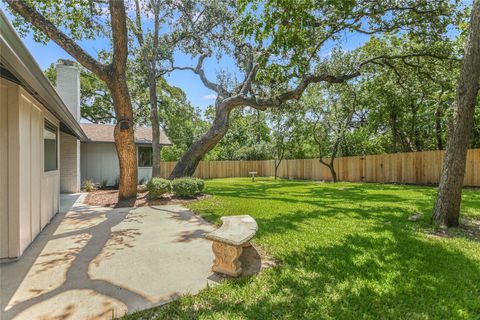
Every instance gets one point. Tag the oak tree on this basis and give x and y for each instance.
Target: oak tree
(67, 22)
(447, 205)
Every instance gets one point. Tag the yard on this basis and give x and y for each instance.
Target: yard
(345, 251)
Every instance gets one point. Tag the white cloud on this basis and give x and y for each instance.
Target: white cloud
(210, 97)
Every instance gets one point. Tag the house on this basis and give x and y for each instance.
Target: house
(39, 144)
(44, 150)
(99, 161)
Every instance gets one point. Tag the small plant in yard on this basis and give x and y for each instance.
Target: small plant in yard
(89, 186)
(187, 187)
(158, 187)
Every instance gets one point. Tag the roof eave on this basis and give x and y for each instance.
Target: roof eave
(20, 62)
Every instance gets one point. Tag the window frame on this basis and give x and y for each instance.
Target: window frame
(151, 156)
(49, 126)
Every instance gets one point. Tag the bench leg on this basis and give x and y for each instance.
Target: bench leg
(226, 259)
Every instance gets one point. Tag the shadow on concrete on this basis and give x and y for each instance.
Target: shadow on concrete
(54, 277)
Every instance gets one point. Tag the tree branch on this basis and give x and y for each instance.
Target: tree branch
(201, 73)
(60, 38)
(119, 36)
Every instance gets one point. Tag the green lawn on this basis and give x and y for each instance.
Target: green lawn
(346, 251)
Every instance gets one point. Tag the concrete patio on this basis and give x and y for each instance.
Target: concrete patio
(99, 263)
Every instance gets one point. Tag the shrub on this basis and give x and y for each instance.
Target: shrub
(158, 186)
(89, 186)
(200, 184)
(187, 187)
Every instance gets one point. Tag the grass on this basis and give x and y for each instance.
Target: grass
(346, 251)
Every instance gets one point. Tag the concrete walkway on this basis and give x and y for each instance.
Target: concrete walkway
(99, 263)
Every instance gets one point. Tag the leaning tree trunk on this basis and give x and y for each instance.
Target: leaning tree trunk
(447, 206)
(188, 163)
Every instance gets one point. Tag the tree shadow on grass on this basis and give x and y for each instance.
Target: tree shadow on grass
(369, 262)
(376, 275)
(316, 194)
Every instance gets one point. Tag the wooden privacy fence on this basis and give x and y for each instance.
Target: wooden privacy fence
(412, 167)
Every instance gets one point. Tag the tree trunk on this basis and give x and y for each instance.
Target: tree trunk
(258, 127)
(149, 62)
(117, 83)
(330, 167)
(447, 206)
(438, 127)
(124, 138)
(152, 88)
(276, 164)
(189, 161)
(113, 74)
(333, 173)
(393, 121)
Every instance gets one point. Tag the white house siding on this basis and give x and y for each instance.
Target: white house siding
(4, 95)
(29, 197)
(144, 174)
(99, 163)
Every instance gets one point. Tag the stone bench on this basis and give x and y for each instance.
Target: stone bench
(228, 242)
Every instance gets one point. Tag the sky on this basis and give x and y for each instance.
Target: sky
(197, 93)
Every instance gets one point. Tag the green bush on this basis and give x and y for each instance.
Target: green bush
(200, 184)
(89, 186)
(187, 187)
(158, 186)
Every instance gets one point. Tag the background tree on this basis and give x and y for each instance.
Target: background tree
(246, 127)
(86, 20)
(447, 206)
(149, 52)
(287, 131)
(333, 108)
(96, 104)
(276, 50)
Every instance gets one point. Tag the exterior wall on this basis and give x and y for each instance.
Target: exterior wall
(144, 174)
(6, 93)
(68, 88)
(69, 163)
(30, 196)
(99, 163)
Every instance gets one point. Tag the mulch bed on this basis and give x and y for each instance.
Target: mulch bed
(109, 198)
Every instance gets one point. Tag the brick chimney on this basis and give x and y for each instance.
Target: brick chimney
(68, 85)
(68, 88)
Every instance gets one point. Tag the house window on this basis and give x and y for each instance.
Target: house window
(49, 146)
(145, 156)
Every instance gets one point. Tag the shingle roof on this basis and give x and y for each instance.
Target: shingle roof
(104, 133)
